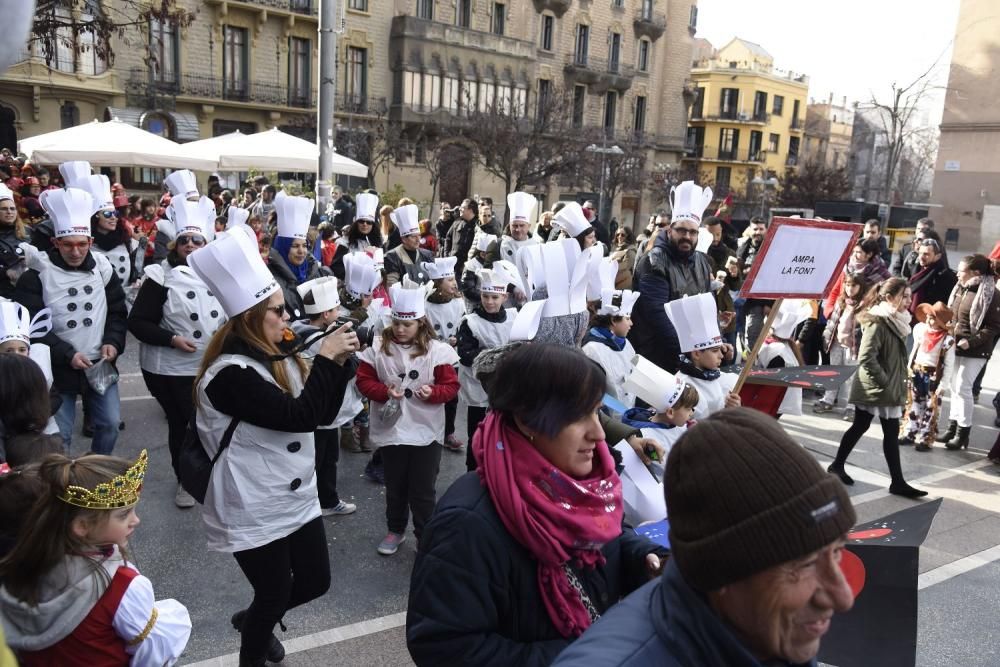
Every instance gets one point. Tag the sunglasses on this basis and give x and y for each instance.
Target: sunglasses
(195, 240)
(108, 215)
(277, 310)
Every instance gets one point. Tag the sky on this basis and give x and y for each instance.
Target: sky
(851, 48)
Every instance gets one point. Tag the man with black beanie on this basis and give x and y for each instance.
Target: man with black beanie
(756, 534)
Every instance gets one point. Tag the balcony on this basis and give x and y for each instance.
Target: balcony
(798, 125)
(287, 9)
(601, 74)
(143, 90)
(362, 105)
(649, 24)
(792, 161)
(712, 153)
(740, 117)
(409, 34)
(557, 7)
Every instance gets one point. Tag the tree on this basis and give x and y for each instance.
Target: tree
(377, 143)
(813, 181)
(435, 152)
(611, 173)
(917, 164)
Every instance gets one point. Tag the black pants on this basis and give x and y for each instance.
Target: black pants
(890, 442)
(327, 456)
(473, 417)
(410, 477)
(450, 410)
(285, 573)
(173, 393)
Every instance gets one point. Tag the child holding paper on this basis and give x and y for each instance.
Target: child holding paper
(671, 400)
(696, 320)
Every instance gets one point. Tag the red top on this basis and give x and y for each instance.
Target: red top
(93, 643)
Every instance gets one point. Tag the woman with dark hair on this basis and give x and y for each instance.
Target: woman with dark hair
(521, 556)
(362, 234)
(879, 388)
(975, 302)
(623, 251)
(111, 237)
(12, 234)
(865, 259)
(25, 409)
(290, 261)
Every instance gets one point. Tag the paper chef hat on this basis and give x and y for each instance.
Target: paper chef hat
(601, 271)
(566, 278)
(378, 257)
(407, 304)
(688, 202)
(618, 302)
(360, 276)
(324, 294)
(70, 210)
(99, 187)
(192, 217)
(407, 219)
(5, 192)
(237, 216)
(442, 267)
(529, 263)
(366, 206)
(654, 385)
(572, 220)
(521, 206)
(493, 282)
(234, 271)
(182, 183)
(792, 313)
(294, 214)
(696, 320)
(484, 241)
(74, 172)
(16, 322)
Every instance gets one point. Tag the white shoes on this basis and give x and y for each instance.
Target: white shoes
(183, 499)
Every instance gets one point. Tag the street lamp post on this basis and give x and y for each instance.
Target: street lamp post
(764, 183)
(604, 152)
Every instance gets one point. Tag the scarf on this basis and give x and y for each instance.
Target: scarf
(283, 244)
(845, 325)
(554, 516)
(919, 282)
(980, 303)
(932, 337)
(602, 332)
(687, 367)
(899, 321)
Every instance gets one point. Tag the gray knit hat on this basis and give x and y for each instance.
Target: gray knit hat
(742, 497)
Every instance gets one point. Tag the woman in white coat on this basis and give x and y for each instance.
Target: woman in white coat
(255, 401)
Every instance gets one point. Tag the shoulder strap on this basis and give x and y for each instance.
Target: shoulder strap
(226, 439)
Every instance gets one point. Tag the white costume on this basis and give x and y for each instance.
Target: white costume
(792, 313)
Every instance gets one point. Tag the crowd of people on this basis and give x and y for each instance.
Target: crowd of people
(273, 339)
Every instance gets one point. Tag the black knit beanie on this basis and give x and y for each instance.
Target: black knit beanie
(742, 497)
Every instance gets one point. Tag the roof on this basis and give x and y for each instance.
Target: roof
(756, 49)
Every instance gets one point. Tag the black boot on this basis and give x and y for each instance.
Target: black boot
(901, 488)
(838, 470)
(996, 406)
(275, 651)
(950, 433)
(249, 662)
(962, 441)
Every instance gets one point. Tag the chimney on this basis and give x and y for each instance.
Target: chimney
(830, 100)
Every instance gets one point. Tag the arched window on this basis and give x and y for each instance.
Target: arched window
(158, 123)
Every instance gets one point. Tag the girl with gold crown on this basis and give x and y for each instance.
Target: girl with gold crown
(70, 597)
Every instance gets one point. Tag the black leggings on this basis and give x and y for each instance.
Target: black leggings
(890, 441)
(410, 485)
(473, 417)
(450, 410)
(173, 393)
(285, 573)
(327, 457)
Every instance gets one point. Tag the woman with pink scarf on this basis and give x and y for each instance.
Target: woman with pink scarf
(523, 555)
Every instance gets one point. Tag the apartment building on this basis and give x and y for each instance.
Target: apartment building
(828, 133)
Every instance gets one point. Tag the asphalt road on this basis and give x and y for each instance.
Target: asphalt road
(359, 622)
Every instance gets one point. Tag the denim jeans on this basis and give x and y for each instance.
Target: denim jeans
(105, 412)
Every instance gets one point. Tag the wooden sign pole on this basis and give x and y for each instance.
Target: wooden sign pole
(759, 343)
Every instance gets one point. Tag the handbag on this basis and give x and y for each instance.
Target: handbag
(193, 464)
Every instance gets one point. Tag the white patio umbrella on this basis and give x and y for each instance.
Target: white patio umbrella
(110, 144)
(270, 150)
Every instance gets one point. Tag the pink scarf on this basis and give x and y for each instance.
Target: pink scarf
(555, 516)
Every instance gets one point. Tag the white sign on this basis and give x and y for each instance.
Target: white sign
(952, 165)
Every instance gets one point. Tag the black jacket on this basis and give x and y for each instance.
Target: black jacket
(288, 282)
(28, 293)
(933, 286)
(468, 346)
(395, 268)
(474, 597)
(461, 235)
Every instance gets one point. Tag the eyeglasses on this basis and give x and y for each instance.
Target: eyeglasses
(681, 231)
(926, 243)
(277, 310)
(195, 240)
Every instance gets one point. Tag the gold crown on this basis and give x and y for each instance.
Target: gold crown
(122, 491)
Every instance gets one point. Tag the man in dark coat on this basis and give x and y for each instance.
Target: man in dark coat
(671, 270)
(443, 229)
(754, 310)
(933, 280)
(462, 232)
(873, 231)
(757, 530)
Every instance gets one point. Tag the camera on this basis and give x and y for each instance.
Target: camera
(365, 332)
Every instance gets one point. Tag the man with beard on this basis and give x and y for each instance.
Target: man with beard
(904, 260)
(873, 232)
(443, 228)
(672, 269)
(933, 280)
(755, 310)
(462, 233)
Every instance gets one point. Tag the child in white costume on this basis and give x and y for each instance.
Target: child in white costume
(931, 364)
(445, 310)
(781, 349)
(606, 342)
(672, 402)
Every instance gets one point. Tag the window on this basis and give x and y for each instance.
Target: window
(779, 105)
(463, 13)
(579, 101)
(234, 63)
(643, 55)
(760, 105)
(425, 9)
(357, 76)
(793, 149)
(544, 97)
(722, 177)
(430, 98)
(158, 124)
(610, 110)
(693, 17)
(299, 77)
(695, 141)
(617, 4)
(647, 10)
(614, 52)
(796, 123)
(499, 17)
(451, 94)
(729, 141)
(582, 44)
(728, 101)
(69, 116)
(697, 107)
(772, 143)
(756, 143)
(360, 5)
(548, 27)
(163, 51)
(639, 118)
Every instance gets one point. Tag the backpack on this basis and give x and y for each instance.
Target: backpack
(193, 465)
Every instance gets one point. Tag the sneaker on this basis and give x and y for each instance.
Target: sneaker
(390, 543)
(848, 415)
(821, 407)
(183, 499)
(339, 509)
(453, 444)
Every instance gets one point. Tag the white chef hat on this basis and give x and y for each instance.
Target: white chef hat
(5, 193)
(521, 206)
(182, 183)
(360, 276)
(508, 269)
(234, 271)
(696, 320)
(378, 258)
(324, 294)
(294, 214)
(236, 216)
(792, 313)
(655, 386)
(572, 220)
(566, 278)
(99, 187)
(192, 217)
(493, 282)
(407, 304)
(530, 265)
(73, 172)
(407, 219)
(16, 322)
(442, 267)
(484, 241)
(618, 302)
(601, 271)
(365, 206)
(688, 202)
(69, 209)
